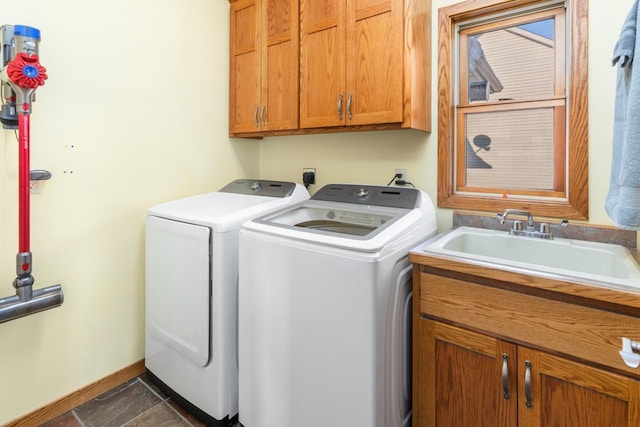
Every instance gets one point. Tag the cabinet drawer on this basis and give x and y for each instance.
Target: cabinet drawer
(548, 324)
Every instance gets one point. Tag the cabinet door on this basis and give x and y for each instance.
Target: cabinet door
(351, 70)
(463, 378)
(245, 66)
(557, 392)
(322, 63)
(374, 91)
(279, 107)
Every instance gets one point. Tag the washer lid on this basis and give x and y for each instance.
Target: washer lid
(338, 219)
(346, 225)
(360, 225)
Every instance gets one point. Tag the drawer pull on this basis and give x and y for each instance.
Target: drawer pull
(505, 376)
(340, 116)
(527, 384)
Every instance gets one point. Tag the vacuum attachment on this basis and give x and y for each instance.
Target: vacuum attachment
(41, 299)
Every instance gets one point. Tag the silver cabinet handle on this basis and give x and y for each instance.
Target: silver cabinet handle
(340, 106)
(255, 117)
(349, 115)
(505, 376)
(527, 384)
(264, 123)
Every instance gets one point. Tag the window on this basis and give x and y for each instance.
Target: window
(513, 107)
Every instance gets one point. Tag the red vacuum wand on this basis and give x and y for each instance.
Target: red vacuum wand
(22, 75)
(24, 212)
(25, 74)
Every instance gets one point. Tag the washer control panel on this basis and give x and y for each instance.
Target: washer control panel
(259, 187)
(395, 197)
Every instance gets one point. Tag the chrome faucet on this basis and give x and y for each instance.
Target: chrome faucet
(530, 224)
(544, 231)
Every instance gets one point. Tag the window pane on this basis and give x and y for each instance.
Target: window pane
(512, 63)
(510, 149)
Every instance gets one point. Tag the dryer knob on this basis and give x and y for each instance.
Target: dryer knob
(362, 193)
(256, 186)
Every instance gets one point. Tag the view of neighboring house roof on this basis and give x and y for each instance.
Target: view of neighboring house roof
(479, 68)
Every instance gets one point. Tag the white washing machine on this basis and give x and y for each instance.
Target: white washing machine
(191, 292)
(325, 309)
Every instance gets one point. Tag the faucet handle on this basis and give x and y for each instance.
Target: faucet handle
(561, 224)
(545, 228)
(517, 225)
(500, 217)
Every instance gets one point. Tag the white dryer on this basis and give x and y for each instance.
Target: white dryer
(191, 292)
(325, 309)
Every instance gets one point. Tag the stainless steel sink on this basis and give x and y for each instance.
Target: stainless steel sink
(601, 262)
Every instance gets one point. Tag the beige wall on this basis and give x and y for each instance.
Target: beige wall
(136, 107)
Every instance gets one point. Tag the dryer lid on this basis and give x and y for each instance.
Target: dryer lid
(227, 210)
(260, 187)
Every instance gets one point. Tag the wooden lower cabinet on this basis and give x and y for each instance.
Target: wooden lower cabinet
(499, 348)
(566, 393)
(465, 386)
(465, 378)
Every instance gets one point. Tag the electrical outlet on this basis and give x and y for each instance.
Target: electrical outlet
(308, 176)
(403, 173)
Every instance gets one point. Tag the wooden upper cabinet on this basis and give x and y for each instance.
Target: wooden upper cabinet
(307, 66)
(364, 62)
(281, 47)
(322, 63)
(264, 54)
(374, 62)
(245, 73)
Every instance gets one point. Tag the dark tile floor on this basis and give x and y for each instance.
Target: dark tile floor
(136, 403)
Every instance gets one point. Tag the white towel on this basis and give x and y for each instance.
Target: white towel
(623, 200)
